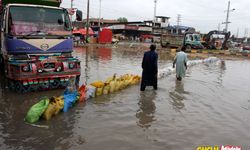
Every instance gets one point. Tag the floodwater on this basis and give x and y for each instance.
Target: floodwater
(210, 106)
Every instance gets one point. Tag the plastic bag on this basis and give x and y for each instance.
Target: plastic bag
(82, 93)
(37, 110)
(90, 91)
(71, 86)
(69, 100)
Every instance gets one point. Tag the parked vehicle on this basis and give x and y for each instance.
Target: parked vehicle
(36, 45)
(189, 40)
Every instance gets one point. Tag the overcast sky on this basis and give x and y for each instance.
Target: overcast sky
(204, 15)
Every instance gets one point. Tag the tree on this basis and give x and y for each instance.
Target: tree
(122, 19)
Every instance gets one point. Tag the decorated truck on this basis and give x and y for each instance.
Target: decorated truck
(36, 45)
(181, 36)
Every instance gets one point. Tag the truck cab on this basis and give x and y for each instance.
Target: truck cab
(36, 45)
(181, 36)
(192, 41)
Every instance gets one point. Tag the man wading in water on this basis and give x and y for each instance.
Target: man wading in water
(150, 68)
(181, 63)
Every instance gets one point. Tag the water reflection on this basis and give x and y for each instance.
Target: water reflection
(93, 59)
(146, 111)
(222, 71)
(178, 95)
(105, 54)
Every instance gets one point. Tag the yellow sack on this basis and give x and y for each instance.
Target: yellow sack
(99, 91)
(106, 89)
(123, 85)
(112, 85)
(59, 104)
(130, 81)
(118, 85)
(126, 82)
(97, 84)
(50, 111)
(135, 80)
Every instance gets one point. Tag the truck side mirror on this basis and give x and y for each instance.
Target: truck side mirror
(79, 15)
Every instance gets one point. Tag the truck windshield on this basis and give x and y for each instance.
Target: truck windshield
(25, 20)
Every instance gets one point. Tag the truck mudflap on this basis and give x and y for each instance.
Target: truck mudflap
(42, 73)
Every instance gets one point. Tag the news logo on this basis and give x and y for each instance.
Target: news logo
(208, 148)
(230, 148)
(219, 148)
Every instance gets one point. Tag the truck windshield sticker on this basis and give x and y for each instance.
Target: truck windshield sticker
(44, 21)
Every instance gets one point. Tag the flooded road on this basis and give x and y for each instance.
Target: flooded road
(210, 106)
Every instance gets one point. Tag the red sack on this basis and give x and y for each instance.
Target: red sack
(82, 93)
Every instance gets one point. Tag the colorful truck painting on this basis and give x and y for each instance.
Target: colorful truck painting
(36, 45)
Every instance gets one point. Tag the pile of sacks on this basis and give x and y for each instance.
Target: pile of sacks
(46, 108)
(169, 70)
(49, 107)
(111, 85)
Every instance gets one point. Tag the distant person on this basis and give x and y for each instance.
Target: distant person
(181, 63)
(150, 68)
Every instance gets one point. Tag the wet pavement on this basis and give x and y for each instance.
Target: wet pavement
(210, 106)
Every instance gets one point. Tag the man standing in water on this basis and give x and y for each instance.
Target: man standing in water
(150, 68)
(181, 63)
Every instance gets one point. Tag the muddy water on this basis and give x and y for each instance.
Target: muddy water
(210, 106)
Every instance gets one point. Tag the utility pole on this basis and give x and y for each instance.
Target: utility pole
(155, 1)
(178, 23)
(100, 6)
(87, 31)
(71, 4)
(227, 18)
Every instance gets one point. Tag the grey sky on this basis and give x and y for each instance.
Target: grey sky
(204, 15)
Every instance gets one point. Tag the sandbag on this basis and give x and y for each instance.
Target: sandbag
(118, 85)
(106, 89)
(37, 110)
(112, 85)
(50, 111)
(97, 84)
(82, 93)
(69, 100)
(55, 106)
(90, 91)
(99, 91)
(59, 101)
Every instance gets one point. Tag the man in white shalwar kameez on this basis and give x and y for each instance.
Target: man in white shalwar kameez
(181, 64)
